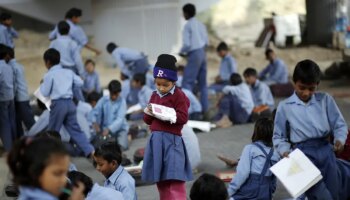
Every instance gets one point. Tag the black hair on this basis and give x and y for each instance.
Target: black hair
(111, 46)
(10, 52)
(307, 72)
(63, 27)
(5, 16)
(263, 131)
(180, 68)
(208, 187)
(49, 134)
(114, 86)
(139, 77)
(29, 157)
(189, 9)
(123, 76)
(93, 96)
(235, 79)
(268, 51)
(109, 151)
(73, 12)
(53, 56)
(75, 177)
(3, 51)
(90, 61)
(250, 72)
(222, 47)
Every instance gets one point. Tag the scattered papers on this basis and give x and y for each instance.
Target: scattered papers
(134, 168)
(226, 176)
(297, 173)
(44, 100)
(162, 112)
(203, 126)
(134, 108)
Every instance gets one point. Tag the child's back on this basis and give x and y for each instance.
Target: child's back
(7, 80)
(243, 94)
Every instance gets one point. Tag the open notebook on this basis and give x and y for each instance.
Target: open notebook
(297, 173)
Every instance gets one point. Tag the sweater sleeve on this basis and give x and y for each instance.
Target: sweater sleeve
(181, 108)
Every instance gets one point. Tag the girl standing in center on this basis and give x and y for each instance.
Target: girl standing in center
(166, 160)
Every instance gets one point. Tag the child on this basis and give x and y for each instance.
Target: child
(166, 160)
(253, 180)
(109, 115)
(305, 121)
(73, 17)
(129, 61)
(93, 98)
(144, 94)
(108, 158)
(195, 109)
(7, 106)
(57, 85)
(208, 187)
(227, 67)
(91, 78)
(237, 103)
(195, 39)
(24, 111)
(39, 166)
(276, 72)
(7, 32)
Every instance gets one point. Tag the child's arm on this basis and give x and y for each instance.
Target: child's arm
(181, 109)
(148, 118)
(242, 171)
(96, 115)
(279, 138)
(97, 83)
(186, 39)
(46, 85)
(13, 32)
(77, 81)
(119, 118)
(77, 59)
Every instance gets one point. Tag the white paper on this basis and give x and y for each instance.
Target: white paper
(201, 125)
(297, 173)
(135, 167)
(162, 112)
(134, 108)
(44, 100)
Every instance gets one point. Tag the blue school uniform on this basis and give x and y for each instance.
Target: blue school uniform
(111, 115)
(7, 106)
(103, 193)
(7, 34)
(130, 61)
(253, 179)
(91, 82)
(262, 94)
(244, 95)
(57, 84)
(30, 193)
(195, 108)
(24, 111)
(275, 72)
(121, 181)
(228, 66)
(75, 32)
(195, 39)
(143, 96)
(307, 126)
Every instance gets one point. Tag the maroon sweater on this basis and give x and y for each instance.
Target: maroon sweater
(179, 102)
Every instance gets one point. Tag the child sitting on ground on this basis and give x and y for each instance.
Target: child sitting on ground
(91, 78)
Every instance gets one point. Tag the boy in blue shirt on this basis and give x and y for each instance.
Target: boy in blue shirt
(227, 67)
(107, 159)
(7, 32)
(91, 78)
(7, 106)
(57, 85)
(305, 121)
(109, 115)
(128, 60)
(276, 72)
(195, 39)
(24, 112)
(73, 17)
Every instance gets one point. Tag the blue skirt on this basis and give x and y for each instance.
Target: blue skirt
(166, 159)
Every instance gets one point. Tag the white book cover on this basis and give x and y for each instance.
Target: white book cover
(134, 108)
(44, 100)
(201, 125)
(297, 173)
(162, 112)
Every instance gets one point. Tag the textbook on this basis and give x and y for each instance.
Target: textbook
(134, 108)
(201, 125)
(162, 112)
(297, 173)
(44, 100)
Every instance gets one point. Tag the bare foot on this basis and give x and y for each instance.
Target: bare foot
(229, 162)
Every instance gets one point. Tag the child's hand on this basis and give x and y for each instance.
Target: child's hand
(96, 128)
(105, 132)
(149, 107)
(338, 146)
(285, 155)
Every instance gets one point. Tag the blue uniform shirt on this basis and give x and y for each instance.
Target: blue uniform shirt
(58, 83)
(251, 161)
(21, 89)
(111, 114)
(91, 82)
(262, 94)
(243, 93)
(75, 32)
(103, 193)
(69, 52)
(7, 34)
(195, 105)
(125, 57)
(194, 36)
(316, 119)
(275, 72)
(121, 181)
(7, 81)
(227, 67)
(30, 193)
(144, 95)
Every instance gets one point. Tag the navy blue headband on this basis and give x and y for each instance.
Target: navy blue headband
(164, 73)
